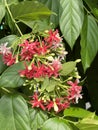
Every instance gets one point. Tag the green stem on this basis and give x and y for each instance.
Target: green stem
(13, 18)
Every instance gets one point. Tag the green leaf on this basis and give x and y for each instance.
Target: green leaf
(38, 25)
(11, 78)
(54, 6)
(56, 124)
(14, 114)
(51, 86)
(67, 68)
(93, 5)
(71, 19)
(88, 124)
(36, 10)
(78, 112)
(48, 84)
(38, 117)
(45, 84)
(10, 39)
(2, 11)
(89, 41)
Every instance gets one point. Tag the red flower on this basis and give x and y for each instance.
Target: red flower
(8, 59)
(28, 50)
(74, 91)
(37, 102)
(53, 37)
(50, 105)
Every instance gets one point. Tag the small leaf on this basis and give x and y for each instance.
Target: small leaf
(71, 19)
(11, 78)
(38, 117)
(2, 11)
(45, 84)
(36, 10)
(14, 114)
(51, 86)
(56, 124)
(78, 112)
(89, 41)
(67, 68)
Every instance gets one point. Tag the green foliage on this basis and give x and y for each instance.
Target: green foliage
(11, 78)
(74, 18)
(67, 68)
(2, 12)
(14, 114)
(37, 118)
(71, 19)
(89, 41)
(53, 6)
(38, 11)
(56, 124)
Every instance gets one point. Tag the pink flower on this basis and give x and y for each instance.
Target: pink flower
(37, 102)
(56, 64)
(4, 49)
(74, 91)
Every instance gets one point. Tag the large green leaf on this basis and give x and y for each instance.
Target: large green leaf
(56, 124)
(89, 41)
(78, 112)
(67, 68)
(29, 10)
(93, 5)
(54, 6)
(38, 117)
(11, 78)
(14, 114)
(2, 11)
(71, 19)
(88, 124)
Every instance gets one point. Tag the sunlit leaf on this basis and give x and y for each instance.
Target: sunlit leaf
(89, 41)
(71, 19)
(14, 114)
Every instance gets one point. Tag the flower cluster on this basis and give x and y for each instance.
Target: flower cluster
(44, 61)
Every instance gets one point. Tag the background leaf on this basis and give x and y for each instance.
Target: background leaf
(11, 78)
(53, 6)
(93, 5)
(36, 10)
(56, 124)
(71, 19)
(2, 11)
(14, 114)
(89, 41)
(38, 117)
